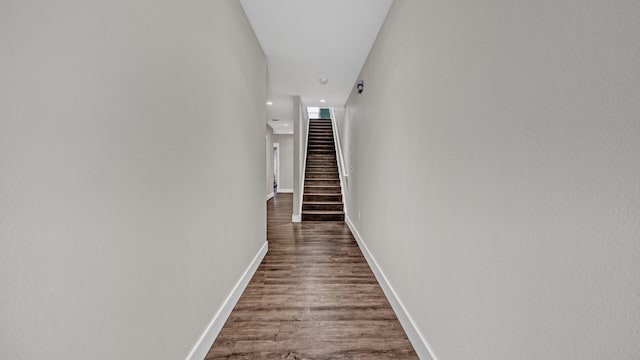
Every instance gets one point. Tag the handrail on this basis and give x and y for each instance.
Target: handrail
(342, 169)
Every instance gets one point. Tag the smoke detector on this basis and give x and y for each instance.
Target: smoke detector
(323, 80)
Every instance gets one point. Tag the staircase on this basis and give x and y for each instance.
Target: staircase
(322, 199)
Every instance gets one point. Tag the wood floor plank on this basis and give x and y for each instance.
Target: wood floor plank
(312, 297)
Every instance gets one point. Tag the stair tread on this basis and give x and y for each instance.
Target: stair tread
(322, 203)
(333, 212)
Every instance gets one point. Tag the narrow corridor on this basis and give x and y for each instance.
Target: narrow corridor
(313, 297)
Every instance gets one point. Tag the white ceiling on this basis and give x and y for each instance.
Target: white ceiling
(306, 39)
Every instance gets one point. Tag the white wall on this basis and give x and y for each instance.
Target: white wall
(286, 161)
(300, 125)
(495, 155)
(124, 222)
(269, 150)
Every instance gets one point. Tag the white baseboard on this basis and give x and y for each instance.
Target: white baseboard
(270, 196)
(285, 191)
(296, 218)
(415, 336)
(206, 340)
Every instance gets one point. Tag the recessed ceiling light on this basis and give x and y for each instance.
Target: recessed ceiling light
(269, 103)
(323, 80)
(323, 100)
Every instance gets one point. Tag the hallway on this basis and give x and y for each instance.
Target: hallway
(313, 297)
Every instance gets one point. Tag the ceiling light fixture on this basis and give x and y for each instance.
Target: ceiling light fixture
(323, 80)
(269, 103)
(323, 100)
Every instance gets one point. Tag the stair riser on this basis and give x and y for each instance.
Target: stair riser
(322, 162)
(322, 175)
(322, 190)
(320, 167)
(313, 149)
(330, 207)
(322, 217)
(321, 151)
(320, 136)
(328, 162)
(331, 163)
(324, 197)
(321, 146)
(332, 169)
(325, 162)
(317, 182)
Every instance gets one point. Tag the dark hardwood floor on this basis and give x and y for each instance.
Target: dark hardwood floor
(313, 297)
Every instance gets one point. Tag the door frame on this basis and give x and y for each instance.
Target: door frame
(276, 164)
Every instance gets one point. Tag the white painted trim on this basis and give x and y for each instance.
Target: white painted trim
(285, 191)
(424, 351)
(207, 338)
(296, 218)
(270, 196)
(279, 132)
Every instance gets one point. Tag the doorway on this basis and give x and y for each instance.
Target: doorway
(276, 167)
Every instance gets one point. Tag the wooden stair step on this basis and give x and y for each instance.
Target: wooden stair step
(322, 206)
(323, 170)
(319, 215)
(321, 182)
(322, 197)
(322, 189)
(323, 176)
